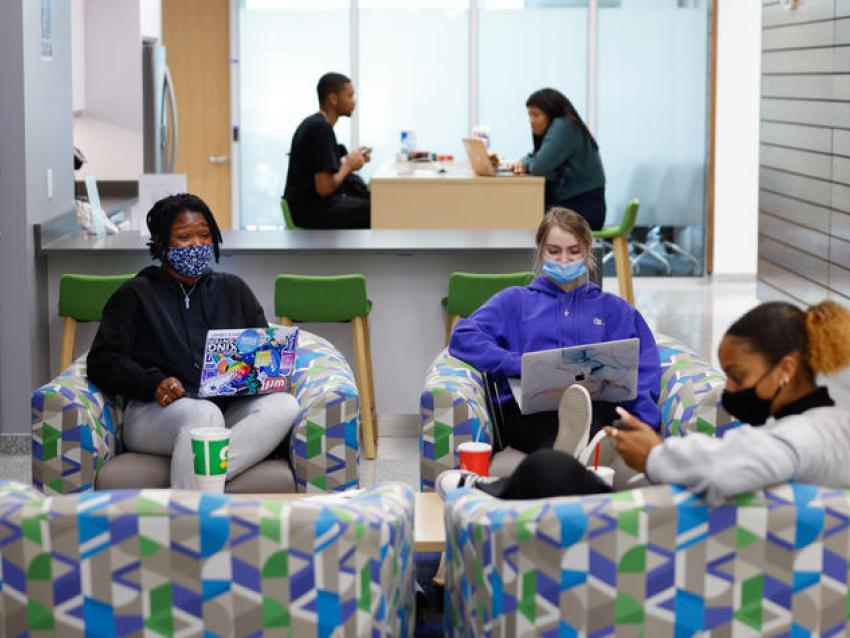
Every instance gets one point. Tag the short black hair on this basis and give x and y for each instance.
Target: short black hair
(330, 83)
(161, 218)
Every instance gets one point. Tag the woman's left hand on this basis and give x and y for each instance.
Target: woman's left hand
(635, 441)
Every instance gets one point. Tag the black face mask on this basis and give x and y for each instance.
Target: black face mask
(747, 406)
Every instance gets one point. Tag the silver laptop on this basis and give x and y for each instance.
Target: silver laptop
(479, 159)
(607, 370)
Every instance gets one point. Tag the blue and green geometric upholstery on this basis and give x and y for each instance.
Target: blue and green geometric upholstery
(452, 406)
(654, 561)
(76, 428)
(182, 563)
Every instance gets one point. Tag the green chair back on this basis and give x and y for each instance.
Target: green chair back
(82, 297)
(287, 215)
(314, 298)
(624, 227)
(468, 291)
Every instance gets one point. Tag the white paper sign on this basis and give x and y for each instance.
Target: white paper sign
(152, 188)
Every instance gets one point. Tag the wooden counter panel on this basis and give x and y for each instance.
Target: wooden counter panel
(506, 203)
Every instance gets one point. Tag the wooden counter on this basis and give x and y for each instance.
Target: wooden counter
(419, 195)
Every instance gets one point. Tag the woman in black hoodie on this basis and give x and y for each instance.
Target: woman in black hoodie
(149, 348)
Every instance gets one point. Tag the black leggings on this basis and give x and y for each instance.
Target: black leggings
(546, 473)
(530, 432)
(590, 205)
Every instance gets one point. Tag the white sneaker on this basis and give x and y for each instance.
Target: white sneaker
(452, 479)
(574, 415)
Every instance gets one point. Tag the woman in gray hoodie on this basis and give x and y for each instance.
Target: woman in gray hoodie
(793, 430)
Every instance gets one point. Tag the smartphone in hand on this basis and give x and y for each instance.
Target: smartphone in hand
(619, 424)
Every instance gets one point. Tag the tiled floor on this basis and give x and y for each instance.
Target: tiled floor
(694, 310)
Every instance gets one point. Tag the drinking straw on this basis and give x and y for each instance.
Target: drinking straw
(596, 457)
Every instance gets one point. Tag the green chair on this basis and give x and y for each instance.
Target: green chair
(82, 298)
(287, 216)
(619, 237)
(467, 291)
(300, 298)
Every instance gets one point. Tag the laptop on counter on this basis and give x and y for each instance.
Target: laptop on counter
(248, 361)
(608, 371)
(479, 158)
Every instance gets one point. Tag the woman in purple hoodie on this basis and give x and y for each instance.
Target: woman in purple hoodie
(561, 308)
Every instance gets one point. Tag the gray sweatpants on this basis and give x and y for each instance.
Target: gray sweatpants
(257, 426)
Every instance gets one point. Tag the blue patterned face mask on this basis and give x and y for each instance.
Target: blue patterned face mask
(190, 261)
(563, 274)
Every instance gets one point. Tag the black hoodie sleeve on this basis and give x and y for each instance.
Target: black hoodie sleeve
(111, 366)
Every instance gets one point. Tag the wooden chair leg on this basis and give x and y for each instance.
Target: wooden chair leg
(451, 322)
(284, 321)
(361, 369)
(66, 354)
(624, 269)
(370, 376)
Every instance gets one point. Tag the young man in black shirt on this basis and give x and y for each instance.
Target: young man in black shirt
(321, 187)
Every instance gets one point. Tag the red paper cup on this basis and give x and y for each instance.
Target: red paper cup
(475, 457)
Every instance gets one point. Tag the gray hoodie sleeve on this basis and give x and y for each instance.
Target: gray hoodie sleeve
(745, 459)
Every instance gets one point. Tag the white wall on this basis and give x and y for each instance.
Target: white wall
(736, 170)
(35, 129)
(78, 55)
(109, 128)
(151, 18)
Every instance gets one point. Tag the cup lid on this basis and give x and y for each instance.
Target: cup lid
(210, 433)
(474, 446)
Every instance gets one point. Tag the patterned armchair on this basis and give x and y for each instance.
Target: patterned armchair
(654, 561)
(76, 431)
(453, 409)
(186, 563)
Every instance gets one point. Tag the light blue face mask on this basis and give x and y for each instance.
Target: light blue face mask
(563, 274)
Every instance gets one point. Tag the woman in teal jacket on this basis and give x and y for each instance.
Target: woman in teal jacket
(566, 154)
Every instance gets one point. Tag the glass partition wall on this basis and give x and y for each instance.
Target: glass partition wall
(636, 70)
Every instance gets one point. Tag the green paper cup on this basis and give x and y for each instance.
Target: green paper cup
(209, 449)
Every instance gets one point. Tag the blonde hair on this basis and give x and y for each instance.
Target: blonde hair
(571, 222)
(828, 328)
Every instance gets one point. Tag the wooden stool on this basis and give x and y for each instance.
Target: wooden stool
(288, 222)
(300, 298)
(468, 291)
(82, 298)
(619, 237)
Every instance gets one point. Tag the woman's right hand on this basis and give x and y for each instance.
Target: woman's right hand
(518, 167)
(168, 391)
(634, 440)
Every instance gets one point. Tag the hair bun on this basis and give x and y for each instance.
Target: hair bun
(828, 327)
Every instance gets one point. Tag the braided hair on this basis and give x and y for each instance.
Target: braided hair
(161, 216)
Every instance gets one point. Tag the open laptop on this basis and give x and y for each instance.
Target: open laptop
(479, 159)
(248, 361)
(608, 371)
